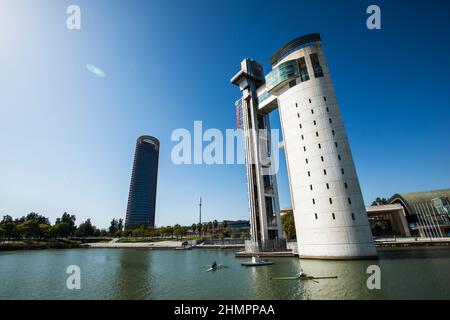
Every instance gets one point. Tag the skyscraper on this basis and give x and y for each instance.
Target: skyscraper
(329, 212)
(142, 196)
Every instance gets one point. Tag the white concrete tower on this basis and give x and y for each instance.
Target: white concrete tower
(330, 217)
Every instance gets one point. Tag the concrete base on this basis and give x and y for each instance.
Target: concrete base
(339, 257)
(266, 254)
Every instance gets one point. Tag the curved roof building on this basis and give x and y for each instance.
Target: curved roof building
(142, 196)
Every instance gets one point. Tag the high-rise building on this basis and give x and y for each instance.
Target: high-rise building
(329, 211)
(142, 197)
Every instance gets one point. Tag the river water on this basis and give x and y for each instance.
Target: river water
(419, 273)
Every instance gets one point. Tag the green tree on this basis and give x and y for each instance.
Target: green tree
(97, 233)
(215, 224)
(120, 224)
(11, 230)
(6, 219)
(224, 224)
(288, 225)
(2, 233)
(114, 227)
(379, 201)
(194, 227)
(199, 228)
(85, 229)
(69, 220)
(29, 229)
(61, 230)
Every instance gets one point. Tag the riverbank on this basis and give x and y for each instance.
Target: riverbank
(168, 244)
(40, 245)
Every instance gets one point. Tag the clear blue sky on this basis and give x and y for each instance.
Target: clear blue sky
(67, 137)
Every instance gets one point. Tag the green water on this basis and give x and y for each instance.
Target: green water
(170, 274)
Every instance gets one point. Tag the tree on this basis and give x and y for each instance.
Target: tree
(69, 220)
(29, 229)
(60, 230)
(35, 217)
(379, 201)
(11, 231)
(2, 233)
(97, 233)
(6, 219)
(199, 228)
(120, 224)
(288, 224)
(85, 229)
(215, 224)
(194, 227)
(224, 224)
(114, 227)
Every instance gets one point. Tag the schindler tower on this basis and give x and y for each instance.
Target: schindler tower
(142, 197)
(330, 217)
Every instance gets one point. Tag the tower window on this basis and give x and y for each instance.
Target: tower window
(349, 201)
(336, 144)
(331, 200)
(324, 172)
(314, 201)
(334, 217)
(309, 174)
(342, 170)
(328, 186)
(303, 138)
(328, 109)
(332, 132)
(320, 147)
(318, 72)
(306, 160)
(339, 157)
(314, 122)
(300, 125)
(353, 216)
(309, 100)
(298, 115)
(310, 186)
(315, 215)
(331, 121)
(304, 76)
(296, 105)
(312, 111)
(304, 148)
(321, 158)
(345, 185)
(324, 98)
(317, 133)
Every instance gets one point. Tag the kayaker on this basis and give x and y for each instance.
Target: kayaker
(301, 274)
(214, 265)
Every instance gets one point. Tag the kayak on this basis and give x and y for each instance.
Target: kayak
(303, 278)
(214, 268)
(255, 264)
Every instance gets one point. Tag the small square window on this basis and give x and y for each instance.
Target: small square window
(320, 147)
(317, 134)
(304, 148)
(306, 161)
(303, 138)
(334, 217)
(332, 132)
(353, 216)
(345, 185)
(339, 157)
(349, 201)
(324, 172)
(328, 109)
(296, 105)
(331, 200)
(314, 201)
(309, 174)
(300, 125)
(324, 98)
(310, 186)
(342, 170)
(336, 144)
(309, 100)
(328, 186)
(315, 215)
(314, 122)
(321, 158)
(330, 120)
(312, 111)
(298, 115)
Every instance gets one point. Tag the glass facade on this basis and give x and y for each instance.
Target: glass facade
(317, 68)
(142, 197)
(287, 72)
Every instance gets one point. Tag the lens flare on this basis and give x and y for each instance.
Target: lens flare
(98, 72)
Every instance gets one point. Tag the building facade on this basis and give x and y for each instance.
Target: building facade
(330, 217)
(142, 196)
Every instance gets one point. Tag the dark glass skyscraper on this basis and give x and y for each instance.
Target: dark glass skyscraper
(142, 197)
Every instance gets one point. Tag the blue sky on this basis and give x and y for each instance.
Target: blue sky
(67, 137)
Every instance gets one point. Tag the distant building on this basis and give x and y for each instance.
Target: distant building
(419, 214)
(142, 196)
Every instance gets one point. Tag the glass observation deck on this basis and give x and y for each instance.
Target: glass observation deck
(286, 72)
